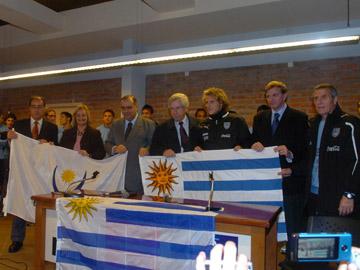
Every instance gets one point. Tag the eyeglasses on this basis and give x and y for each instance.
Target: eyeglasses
(36, 106)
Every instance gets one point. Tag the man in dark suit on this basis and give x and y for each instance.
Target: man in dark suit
(131, 134)
(180, 133)
(37, 128)
(285, 128)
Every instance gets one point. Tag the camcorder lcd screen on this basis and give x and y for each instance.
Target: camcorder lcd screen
(318, 248)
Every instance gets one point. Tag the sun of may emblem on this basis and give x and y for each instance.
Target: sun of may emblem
(162, 177)
(68, 176)
(82, 207)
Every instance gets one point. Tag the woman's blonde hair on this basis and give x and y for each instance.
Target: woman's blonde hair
(87, 111)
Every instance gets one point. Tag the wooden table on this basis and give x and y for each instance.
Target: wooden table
(257, 221)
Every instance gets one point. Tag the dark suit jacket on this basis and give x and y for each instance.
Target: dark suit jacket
(91, 141)
(48, 130)
(165, 137)
(292, 132)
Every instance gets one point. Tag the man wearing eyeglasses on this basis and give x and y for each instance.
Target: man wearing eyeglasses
(45, 132)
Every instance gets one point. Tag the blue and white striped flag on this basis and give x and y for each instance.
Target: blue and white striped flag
(105, 233)
(243, 176)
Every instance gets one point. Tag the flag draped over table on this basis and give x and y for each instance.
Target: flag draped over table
(42, 168)
(240, 176)
(109, 233)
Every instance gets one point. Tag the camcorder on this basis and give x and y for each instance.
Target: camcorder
(322, 247)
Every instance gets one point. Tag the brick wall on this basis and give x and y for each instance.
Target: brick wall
(244, 85)
(98, 95)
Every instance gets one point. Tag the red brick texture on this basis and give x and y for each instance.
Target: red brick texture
(244, 85)
(98, 95)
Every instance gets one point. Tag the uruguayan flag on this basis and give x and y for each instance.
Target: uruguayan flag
(99, 233)
(243, 176)
(42, 168)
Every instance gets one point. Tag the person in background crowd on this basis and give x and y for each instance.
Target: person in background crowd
(131, 134)
(262, 108)
(82, 137)
(222, 129)
(4, 164)
(10, 119)
(104, 128)
(334, 183)
(50, 115)
(37, 128)
(1, 118)
(147, 111)
(201, 115)
(178, 134)
(285, 128)
(65, 123)
(65, 120)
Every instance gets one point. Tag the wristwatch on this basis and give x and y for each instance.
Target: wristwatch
(349, 195)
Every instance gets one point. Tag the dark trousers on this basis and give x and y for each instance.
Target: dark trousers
(319, 222)
(4, 174)
(18, 229)
(294, 213)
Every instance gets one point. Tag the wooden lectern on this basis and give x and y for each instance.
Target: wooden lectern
(259, 222)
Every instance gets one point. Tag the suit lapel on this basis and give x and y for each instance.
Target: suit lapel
(173, 134)
(267, 119)
(122, 130)
(283, 119)
(42, 130)
(136, 127)
(28, 129)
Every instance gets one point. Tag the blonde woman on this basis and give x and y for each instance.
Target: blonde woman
(82, 137)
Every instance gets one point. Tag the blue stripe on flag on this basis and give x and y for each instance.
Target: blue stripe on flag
(135, 245)
(231, 164)
(163, 220)
(281, 227)
(165, 206)
(74, 257)
(233, 185)
(272, 203)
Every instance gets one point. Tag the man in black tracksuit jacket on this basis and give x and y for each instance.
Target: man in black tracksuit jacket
(334, 175)
(222, 129)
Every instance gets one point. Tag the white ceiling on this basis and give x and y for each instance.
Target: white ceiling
(38, 35)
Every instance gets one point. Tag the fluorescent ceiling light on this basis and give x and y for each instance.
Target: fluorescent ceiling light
(146, 59)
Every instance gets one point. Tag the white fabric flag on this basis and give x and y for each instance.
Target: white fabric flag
(243, 176)
(42, 168)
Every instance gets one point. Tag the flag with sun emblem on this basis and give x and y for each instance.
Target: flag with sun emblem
(243, 176)
(108, 233)
(55, 168)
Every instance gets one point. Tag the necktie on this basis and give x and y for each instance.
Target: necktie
(275, 123)
(128, 130)
(35, 130)
(183, 136)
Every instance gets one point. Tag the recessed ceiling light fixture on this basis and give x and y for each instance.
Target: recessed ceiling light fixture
(192, 53)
